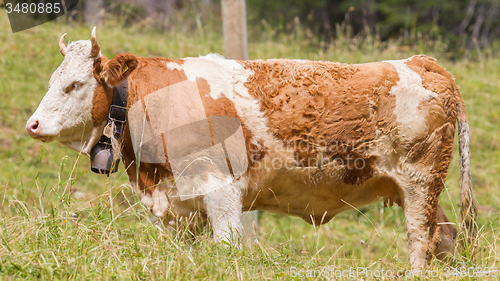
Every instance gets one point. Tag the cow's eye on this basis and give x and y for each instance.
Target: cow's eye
(73, 86)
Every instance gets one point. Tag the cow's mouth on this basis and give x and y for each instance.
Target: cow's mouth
(44, 138)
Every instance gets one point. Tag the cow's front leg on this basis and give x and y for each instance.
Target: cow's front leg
(224, 207)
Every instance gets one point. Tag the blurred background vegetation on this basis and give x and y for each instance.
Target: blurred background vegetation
(458, 24)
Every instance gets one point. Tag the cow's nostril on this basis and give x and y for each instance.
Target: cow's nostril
(34, 126)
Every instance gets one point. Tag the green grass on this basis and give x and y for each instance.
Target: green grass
(106, 234)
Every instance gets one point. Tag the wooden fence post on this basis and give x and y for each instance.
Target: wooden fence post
(234, 23)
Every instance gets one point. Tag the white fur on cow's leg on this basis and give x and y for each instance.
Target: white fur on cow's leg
(418, 241)
(414, 206)
(224, 209)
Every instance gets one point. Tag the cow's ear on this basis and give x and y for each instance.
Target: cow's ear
(99, 68)
(118, 69)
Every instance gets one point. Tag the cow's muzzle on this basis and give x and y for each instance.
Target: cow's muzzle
(35, 131)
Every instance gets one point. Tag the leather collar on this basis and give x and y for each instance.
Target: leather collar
(102, 156)
(118, 109)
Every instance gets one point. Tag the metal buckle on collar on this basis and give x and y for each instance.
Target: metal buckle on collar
(117, 114)
(117, 110)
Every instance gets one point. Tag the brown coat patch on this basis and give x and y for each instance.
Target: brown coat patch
(327, 106)
(150, 75)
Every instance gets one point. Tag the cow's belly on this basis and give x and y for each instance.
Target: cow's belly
(314, 194)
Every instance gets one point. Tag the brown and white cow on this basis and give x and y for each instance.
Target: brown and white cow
(319, 137)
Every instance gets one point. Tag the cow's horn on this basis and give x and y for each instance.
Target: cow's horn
(62, 47)
(95, 46)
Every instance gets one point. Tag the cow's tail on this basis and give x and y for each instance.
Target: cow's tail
(468, 203)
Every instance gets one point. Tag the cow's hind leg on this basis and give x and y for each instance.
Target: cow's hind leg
(448, 234)
(420, 207)
(421, 179)
(224, 209)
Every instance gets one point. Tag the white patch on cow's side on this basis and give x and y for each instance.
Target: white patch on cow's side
(66, 116)
(227, 78)
(210, 184)
(222, 75)
(409, 93)
(173, 65)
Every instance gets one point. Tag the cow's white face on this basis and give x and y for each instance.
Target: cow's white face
(64, 113)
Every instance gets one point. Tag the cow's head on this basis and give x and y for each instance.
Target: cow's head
(75, 108)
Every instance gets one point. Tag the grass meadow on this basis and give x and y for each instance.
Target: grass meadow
(60, 221)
